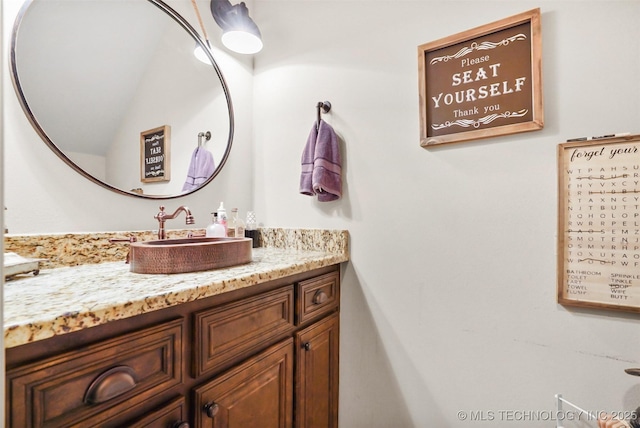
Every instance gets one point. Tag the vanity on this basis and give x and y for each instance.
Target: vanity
(89, 343)
(255, 345)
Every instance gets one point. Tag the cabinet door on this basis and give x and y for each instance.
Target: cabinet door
(317, 374)
(256, 394)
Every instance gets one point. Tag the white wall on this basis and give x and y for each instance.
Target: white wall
(94, 163)
(449, 299)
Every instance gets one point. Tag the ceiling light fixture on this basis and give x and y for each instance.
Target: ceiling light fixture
(240, 33)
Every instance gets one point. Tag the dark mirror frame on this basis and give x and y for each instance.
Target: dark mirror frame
(34, 122)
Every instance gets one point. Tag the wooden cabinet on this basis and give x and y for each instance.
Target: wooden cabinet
(264, 356)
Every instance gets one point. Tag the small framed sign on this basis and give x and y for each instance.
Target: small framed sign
(599, 223)
(482, 82)
(155, 150)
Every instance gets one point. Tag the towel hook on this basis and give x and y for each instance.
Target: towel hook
(206, 135)
(325, 106)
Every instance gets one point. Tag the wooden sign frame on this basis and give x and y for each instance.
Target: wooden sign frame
(155, 155)
(483, 82)
(599, 223)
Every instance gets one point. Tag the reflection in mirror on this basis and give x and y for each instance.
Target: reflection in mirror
(95, 76)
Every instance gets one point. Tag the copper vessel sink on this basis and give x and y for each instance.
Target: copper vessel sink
(188, 255)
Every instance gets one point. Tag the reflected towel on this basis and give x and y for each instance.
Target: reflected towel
(321, 164)
(200, 169)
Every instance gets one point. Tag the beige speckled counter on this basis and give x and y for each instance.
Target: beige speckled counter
(71, 298)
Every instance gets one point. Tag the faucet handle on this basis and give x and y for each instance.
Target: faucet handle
(160, 214)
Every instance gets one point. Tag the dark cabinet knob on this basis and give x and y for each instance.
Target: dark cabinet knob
(320, 297)
(307, 346)
(180, 424)
(211, 409)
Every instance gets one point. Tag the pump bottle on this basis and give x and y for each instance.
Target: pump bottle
(215, 229)
(222, 217)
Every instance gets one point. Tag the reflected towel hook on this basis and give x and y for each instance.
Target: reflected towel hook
(206, 135)
(322, 107)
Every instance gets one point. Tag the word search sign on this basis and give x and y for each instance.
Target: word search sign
(481, 83)
(599, 223)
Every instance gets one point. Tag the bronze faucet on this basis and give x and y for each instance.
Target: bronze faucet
(162, 217)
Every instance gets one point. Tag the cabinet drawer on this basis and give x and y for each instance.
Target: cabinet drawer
(235, 330)
(317, 296)
(171, 415)
(96, 383)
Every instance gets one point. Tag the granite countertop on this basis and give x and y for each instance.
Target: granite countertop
(66, 299)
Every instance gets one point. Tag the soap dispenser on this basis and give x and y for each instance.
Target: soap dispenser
(215, 229)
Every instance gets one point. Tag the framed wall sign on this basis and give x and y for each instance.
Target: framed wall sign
(599, 223)
(483, 82)
(155, 150)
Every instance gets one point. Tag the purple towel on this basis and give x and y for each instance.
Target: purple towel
(200, 169)
(306, 186)
(321, 164)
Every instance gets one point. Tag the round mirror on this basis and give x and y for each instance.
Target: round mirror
(114, 88)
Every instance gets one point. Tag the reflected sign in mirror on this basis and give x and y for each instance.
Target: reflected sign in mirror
(93, 75)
